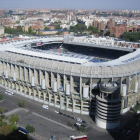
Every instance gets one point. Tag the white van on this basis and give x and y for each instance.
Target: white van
(9, 92)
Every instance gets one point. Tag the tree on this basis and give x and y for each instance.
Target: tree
(30, 30)
(0, 111)
(13, 119)
(58, 33)
(57, 27)
(30, 128)
(21, 103)
(46, 28)
(1, 97)
(92, 29)
(78, 28)
(18, 22)
(81, 128)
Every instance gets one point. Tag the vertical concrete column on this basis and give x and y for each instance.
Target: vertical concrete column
(139, 81)
(128, 83)
(44, 96)
(61, 102)
(55, 100)
(90, 90)
(29, 89)
(71, 84)
(122, 105)
(80, 88)
(67, 103)
(5, 66)
(39, 94)
(20, 87)
(47, 79)
(30, 73)
(26, 74)
(81, 107)
(25, 90)
(40, 76)
(34, 92)
(12, 70)
(49, 98)
(64, 82)
(17, 72)
(58, 81)
(8, 69)
(120, 82)
(21, 73)
(1, 68)
(52, 79)
(36, 76)
(73, 105)
(133, 82)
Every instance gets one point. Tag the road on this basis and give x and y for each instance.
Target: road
(45, 128)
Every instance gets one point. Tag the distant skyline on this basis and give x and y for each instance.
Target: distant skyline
(72, 4)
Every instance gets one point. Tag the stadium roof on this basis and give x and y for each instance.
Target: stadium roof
(48, 56)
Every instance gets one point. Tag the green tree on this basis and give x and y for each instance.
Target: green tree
(30, 128)
(21, 103)
(30, 30)
(81, 128)
(78, 28)
(92, 29)
(18, 22)
(1, 97)
(57, 27)
(134, 37)
(46, 28)
(13, 119)
(58, 33)
(0, 111)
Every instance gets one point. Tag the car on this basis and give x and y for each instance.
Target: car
(137, 124)
(45, 106)
(56, 111)
(60, 113)
(71, 137)
(133, 129)
(83, 121)
(73, 118)
(78, 124)
(83, 125)
(79, 120)
(128, 132)
(123, 131)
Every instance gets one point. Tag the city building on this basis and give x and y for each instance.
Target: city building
(118, 30)
(1, 30)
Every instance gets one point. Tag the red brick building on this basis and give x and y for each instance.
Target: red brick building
(118, 30)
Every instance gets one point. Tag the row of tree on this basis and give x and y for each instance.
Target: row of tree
(133, 37)
(18, 31)
(80, 28)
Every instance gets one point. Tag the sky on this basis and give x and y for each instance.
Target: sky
(71, 4)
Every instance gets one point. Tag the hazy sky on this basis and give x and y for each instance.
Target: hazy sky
(72, 4)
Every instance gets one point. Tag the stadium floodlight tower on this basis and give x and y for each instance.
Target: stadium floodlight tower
(108, 106)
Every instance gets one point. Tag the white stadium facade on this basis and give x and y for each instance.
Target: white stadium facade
(59, 72)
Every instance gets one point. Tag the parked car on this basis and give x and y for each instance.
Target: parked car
(79, 120)
(83, 121)
(128, 132)
(45, 106)
(56, 111)
(60, 113)
(78, 124)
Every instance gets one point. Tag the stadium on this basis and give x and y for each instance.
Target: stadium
(85, 75)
